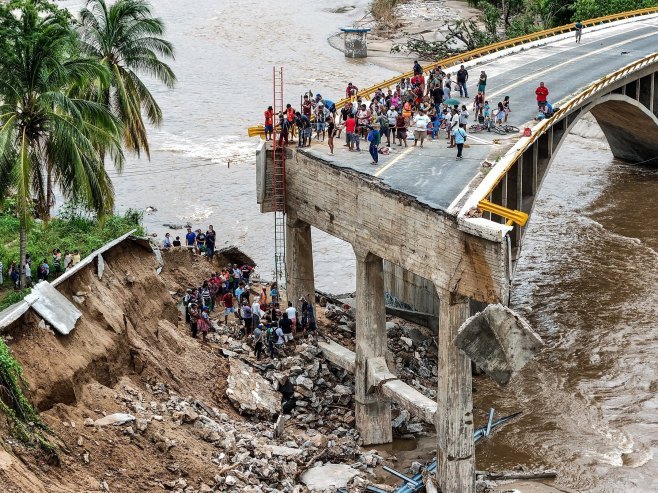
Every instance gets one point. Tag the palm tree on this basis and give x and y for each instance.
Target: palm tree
(127, 40)
(43, 129)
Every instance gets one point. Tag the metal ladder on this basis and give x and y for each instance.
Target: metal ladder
(279, 186)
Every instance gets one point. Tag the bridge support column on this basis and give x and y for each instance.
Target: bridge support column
(299, 261)
(373, 411)
(456, 448)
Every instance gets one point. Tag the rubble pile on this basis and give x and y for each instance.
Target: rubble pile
(412, 357)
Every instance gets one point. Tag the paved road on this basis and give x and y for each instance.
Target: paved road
(434, 176)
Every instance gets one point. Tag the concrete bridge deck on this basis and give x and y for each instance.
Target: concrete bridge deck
(411, 215)
(432, 174)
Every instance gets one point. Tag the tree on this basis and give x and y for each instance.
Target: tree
(127, 40)
(43, 129)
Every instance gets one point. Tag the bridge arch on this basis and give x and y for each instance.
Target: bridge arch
(630, 128)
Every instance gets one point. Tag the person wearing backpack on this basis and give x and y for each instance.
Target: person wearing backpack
(270, 337)
(459, 135)
(384, 128)
(374, 138)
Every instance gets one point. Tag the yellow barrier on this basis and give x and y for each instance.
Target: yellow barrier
(593, 88)
(513, 216)
(259, 130)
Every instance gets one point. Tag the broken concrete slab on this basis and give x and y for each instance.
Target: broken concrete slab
(115, 419)
(250, 393)
(499, 341)
(328, 477)
(53, 307)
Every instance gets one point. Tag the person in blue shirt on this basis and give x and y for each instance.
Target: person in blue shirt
(190, 239)
(459, 133)
(374, 138)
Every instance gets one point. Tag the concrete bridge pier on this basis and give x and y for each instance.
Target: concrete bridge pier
(454, 415)
(299, 261)
(372, 409)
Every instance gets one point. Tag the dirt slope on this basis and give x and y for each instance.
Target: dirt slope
(127, 347)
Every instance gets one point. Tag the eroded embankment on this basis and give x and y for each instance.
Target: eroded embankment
(128, 337)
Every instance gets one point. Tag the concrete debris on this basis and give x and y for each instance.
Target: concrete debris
(115, 419)
(53, 307)
(326, 477)
(499, 341)
(250, 393)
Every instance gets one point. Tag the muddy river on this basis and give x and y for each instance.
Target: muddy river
(588, 277)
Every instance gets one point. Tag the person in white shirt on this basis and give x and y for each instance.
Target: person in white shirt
(454, 123)
(255, 313)
(392, 116)
(463, 117)
(292, 315)
(420, 129)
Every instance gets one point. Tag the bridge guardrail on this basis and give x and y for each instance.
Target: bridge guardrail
(259, 130)
(508, 161)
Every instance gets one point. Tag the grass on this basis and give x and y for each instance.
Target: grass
(73, 232)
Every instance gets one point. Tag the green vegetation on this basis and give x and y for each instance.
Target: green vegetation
(126, 39)
(74, 230)
(71, 99)
(24, 422)
(504, 19)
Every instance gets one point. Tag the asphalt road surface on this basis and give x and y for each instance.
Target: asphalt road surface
(434, 176)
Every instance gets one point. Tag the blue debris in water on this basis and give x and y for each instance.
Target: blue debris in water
(415, 483)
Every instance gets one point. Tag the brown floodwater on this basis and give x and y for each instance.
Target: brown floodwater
(588, 284)
(587, 280)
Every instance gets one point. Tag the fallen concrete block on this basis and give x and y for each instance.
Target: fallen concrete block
(328, 477)
(499, 341)
(250, 393)
(53, 307)
(115, 419)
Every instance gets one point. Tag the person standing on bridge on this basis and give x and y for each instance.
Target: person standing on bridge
(374, 138)
(420, 130)
(579, 31)
(269, 123)
(459, 135)
(462, 78)
(482, 84)
(418, 70)
(542, 95)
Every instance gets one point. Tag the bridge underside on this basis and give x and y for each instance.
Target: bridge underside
(630, 129)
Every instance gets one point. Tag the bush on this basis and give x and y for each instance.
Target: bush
(73, 231)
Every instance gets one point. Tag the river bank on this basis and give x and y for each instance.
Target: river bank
(414, 18)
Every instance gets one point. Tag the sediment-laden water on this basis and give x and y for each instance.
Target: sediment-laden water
(588, 275)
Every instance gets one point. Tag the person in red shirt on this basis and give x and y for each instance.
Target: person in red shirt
(227, 299)
(269, 123)
(290, 117)
(351, 90)
(350, 127)
(307, 107)
(542, 95)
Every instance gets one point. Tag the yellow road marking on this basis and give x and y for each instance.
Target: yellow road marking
(530, 77)
(404, 153)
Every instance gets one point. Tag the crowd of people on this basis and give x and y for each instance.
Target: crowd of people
(45, 270)
(258, 317)
(197, 241)
(418, 106)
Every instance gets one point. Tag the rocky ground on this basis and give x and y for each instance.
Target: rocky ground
(135, 404)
